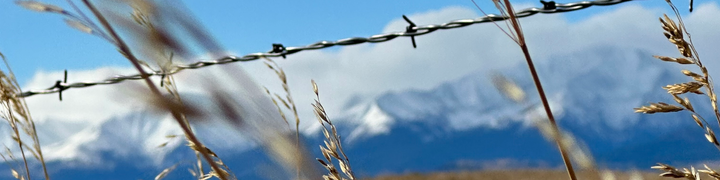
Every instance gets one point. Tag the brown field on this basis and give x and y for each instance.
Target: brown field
(530, 174)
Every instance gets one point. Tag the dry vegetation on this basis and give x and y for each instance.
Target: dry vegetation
(677, 34)
(15, 111)
(159, 48)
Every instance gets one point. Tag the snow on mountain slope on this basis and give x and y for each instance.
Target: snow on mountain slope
(595, 95)
(133, 137)
(374, 121)
(598, 87)
(592, 93)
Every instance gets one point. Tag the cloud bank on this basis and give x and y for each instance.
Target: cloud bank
(370, 69)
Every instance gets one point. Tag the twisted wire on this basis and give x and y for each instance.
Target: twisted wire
(282, 52)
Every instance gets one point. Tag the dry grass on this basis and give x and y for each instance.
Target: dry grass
(168, 82)
(515, 32)
(17, 114)
(333, 146)
(287, 102)
(660, 107)
(677, 34)
(159, 48)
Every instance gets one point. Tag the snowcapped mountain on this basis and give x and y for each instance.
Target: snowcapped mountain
(467, 123)
(601, 86)
(461, 124)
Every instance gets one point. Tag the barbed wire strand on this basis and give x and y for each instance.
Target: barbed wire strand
(282, 51)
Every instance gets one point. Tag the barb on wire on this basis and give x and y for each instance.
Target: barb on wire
(548, 4)
(276, 52)
(410, 29)
(691, 5)
(60, 85)
(278, 48)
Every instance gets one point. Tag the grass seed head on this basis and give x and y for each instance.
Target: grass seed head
(712, 173)
(683, 88)
(659, 107)
(679, 60)
(710, 135)
(674, 34)
(40, 7)
(79, 26)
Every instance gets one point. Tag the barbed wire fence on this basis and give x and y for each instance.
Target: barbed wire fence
(279, 50)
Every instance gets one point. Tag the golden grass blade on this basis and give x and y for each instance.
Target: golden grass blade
(124, 48)
(710, 172)
(710, 136)
(15, 174)
(315, 88)
(659, 107)
(79, 26)
(508, 88)
(162, 145)
(333, 145)
(287, 102)
(165, 172)
(697, 120)
(691, 74)
(40, 7)
(683, 88)
(680, 60)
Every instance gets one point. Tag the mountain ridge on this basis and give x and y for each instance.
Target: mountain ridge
(460, 124)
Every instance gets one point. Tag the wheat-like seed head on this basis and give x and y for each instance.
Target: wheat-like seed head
(674, 34)
(202, 149)
(684, 102)
(697, 120)
(41, 7)
(287, 101)
(683, 88)
(680, 60)
(695, 76)
(712, 173)
(670, 171)
(710, 136)
(659, 107)
(333, 148)
(15, 111)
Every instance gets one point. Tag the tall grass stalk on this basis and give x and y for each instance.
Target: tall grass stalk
(541, 92)
(287, 102)
(17, 114)
(333, 148)
(177, 115)
(516, 34)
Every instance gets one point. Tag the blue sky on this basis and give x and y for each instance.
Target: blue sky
(40, 41)
(34, 40)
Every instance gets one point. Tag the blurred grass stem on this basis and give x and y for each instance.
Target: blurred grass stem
(521, 42)
(126, 50)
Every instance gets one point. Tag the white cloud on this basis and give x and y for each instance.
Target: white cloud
(91, 105)
(370, 69)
